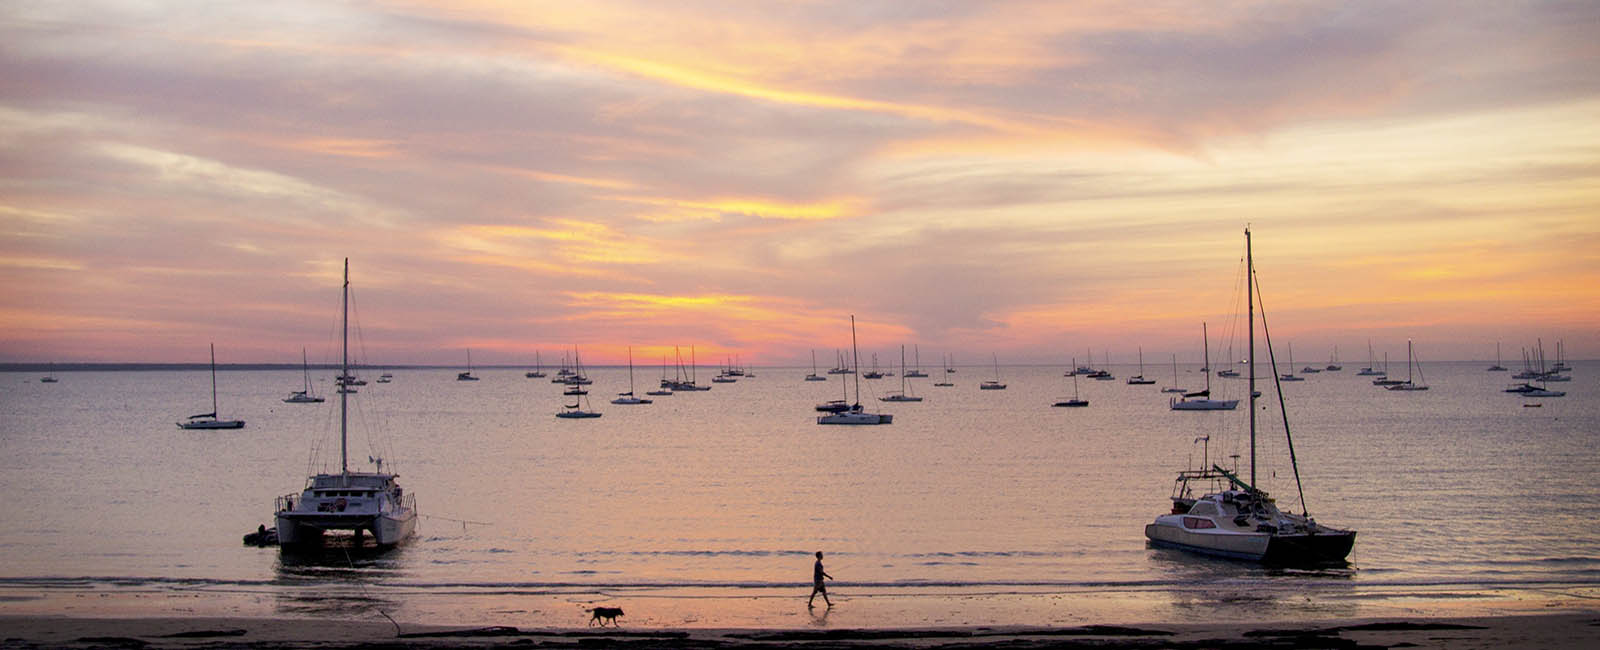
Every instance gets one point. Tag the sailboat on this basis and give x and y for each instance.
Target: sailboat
(1333, 361)
(628, 397)
(838, 367)
(385, 377)
(538, 367)
(467, 376)
(854, 414)
(1139, 380)
(838, 405)
(949, 369)
(902, 396)
(1496, 367)
(662, 389)
(993, 384)
(916, 372)
(1370, 370)
(1174, 387)
(49, 378)
(1074, 401)
(1201, 400)
(1290, 376)
(1225, 372)
(572, 411)
(814, 376)
(210, 420)
(1411, 366)
(873, 374)
(1383, 377)
(360, 502)
(304, 396)
(1240, 520)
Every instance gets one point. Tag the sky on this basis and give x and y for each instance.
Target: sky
(1030, 180)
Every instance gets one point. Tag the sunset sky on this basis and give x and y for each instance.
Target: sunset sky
(1031, 179)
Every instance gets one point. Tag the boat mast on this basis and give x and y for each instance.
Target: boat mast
(855, 361)
(344, 371)
(1205, 344)
(1249, 296)
(213, 380)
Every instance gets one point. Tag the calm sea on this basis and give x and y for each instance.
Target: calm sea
(721, 497)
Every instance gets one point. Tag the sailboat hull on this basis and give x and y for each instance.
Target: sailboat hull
(1290, 549)
(386, 530)
(212, 424)
(856, 418)
(1204, 404)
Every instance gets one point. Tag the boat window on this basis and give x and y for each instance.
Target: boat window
(1198, 522)
(1204, 508)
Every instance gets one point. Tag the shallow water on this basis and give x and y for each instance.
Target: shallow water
(722, 496)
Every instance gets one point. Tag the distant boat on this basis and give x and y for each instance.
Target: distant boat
(385, 377)
(1225, 372)
(948, 370)
(993, 384)
(1201, 400)
(1333, 361)
(1240, 520)
(854, 414)
(628, 397)
(684, 381)
(49, 378)
(1139, 380)
(1290, 376)
(304, 396)
(210, 420)
(902, 396)
(572, 411)
(1174, 388)
(838, 368)
(663, 389)
(915, 372)
(1103, 374)
(1369, 371)
(360, 502)
(1411, 365)
(1074, 401)
(538, 367)
(1496, 367)
(1383, 377)
(467, 376)
(873, 374)
(814, 376)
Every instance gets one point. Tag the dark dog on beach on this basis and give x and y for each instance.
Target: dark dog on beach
(603, 614)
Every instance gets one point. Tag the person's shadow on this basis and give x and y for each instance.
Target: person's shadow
(819, 620)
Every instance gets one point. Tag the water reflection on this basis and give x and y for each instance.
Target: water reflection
(1201, 587)
(342, 578)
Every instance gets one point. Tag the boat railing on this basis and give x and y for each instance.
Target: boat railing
(286, 502)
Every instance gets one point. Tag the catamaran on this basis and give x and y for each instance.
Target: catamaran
(360, 502)
(210, 420)
(854, 414)
(1240, 520)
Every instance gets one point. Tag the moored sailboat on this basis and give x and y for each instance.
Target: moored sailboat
(1241, 521)
(360, 502)
(304, 396)
(210, 420)
(902, 396)
(854, 414)
(1200, 400)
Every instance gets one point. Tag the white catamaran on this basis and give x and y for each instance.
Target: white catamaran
(360, 502)
(1240, 520)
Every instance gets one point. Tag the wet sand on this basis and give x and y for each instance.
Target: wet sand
(1557, 631)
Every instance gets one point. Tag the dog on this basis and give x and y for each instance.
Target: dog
(603, 614)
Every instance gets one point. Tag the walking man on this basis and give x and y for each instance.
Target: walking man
(817, 587)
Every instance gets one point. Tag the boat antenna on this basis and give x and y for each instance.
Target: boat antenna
(1249, 277)
(1278, 384)
(344, 371)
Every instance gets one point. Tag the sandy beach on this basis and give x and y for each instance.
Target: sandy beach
(1555, 631)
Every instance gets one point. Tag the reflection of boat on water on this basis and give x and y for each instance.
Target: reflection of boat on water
(360, 502)
(1240, 520)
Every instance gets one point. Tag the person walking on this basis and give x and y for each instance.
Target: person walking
(817, 587)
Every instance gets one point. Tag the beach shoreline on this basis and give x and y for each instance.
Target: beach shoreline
(1566, 630)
